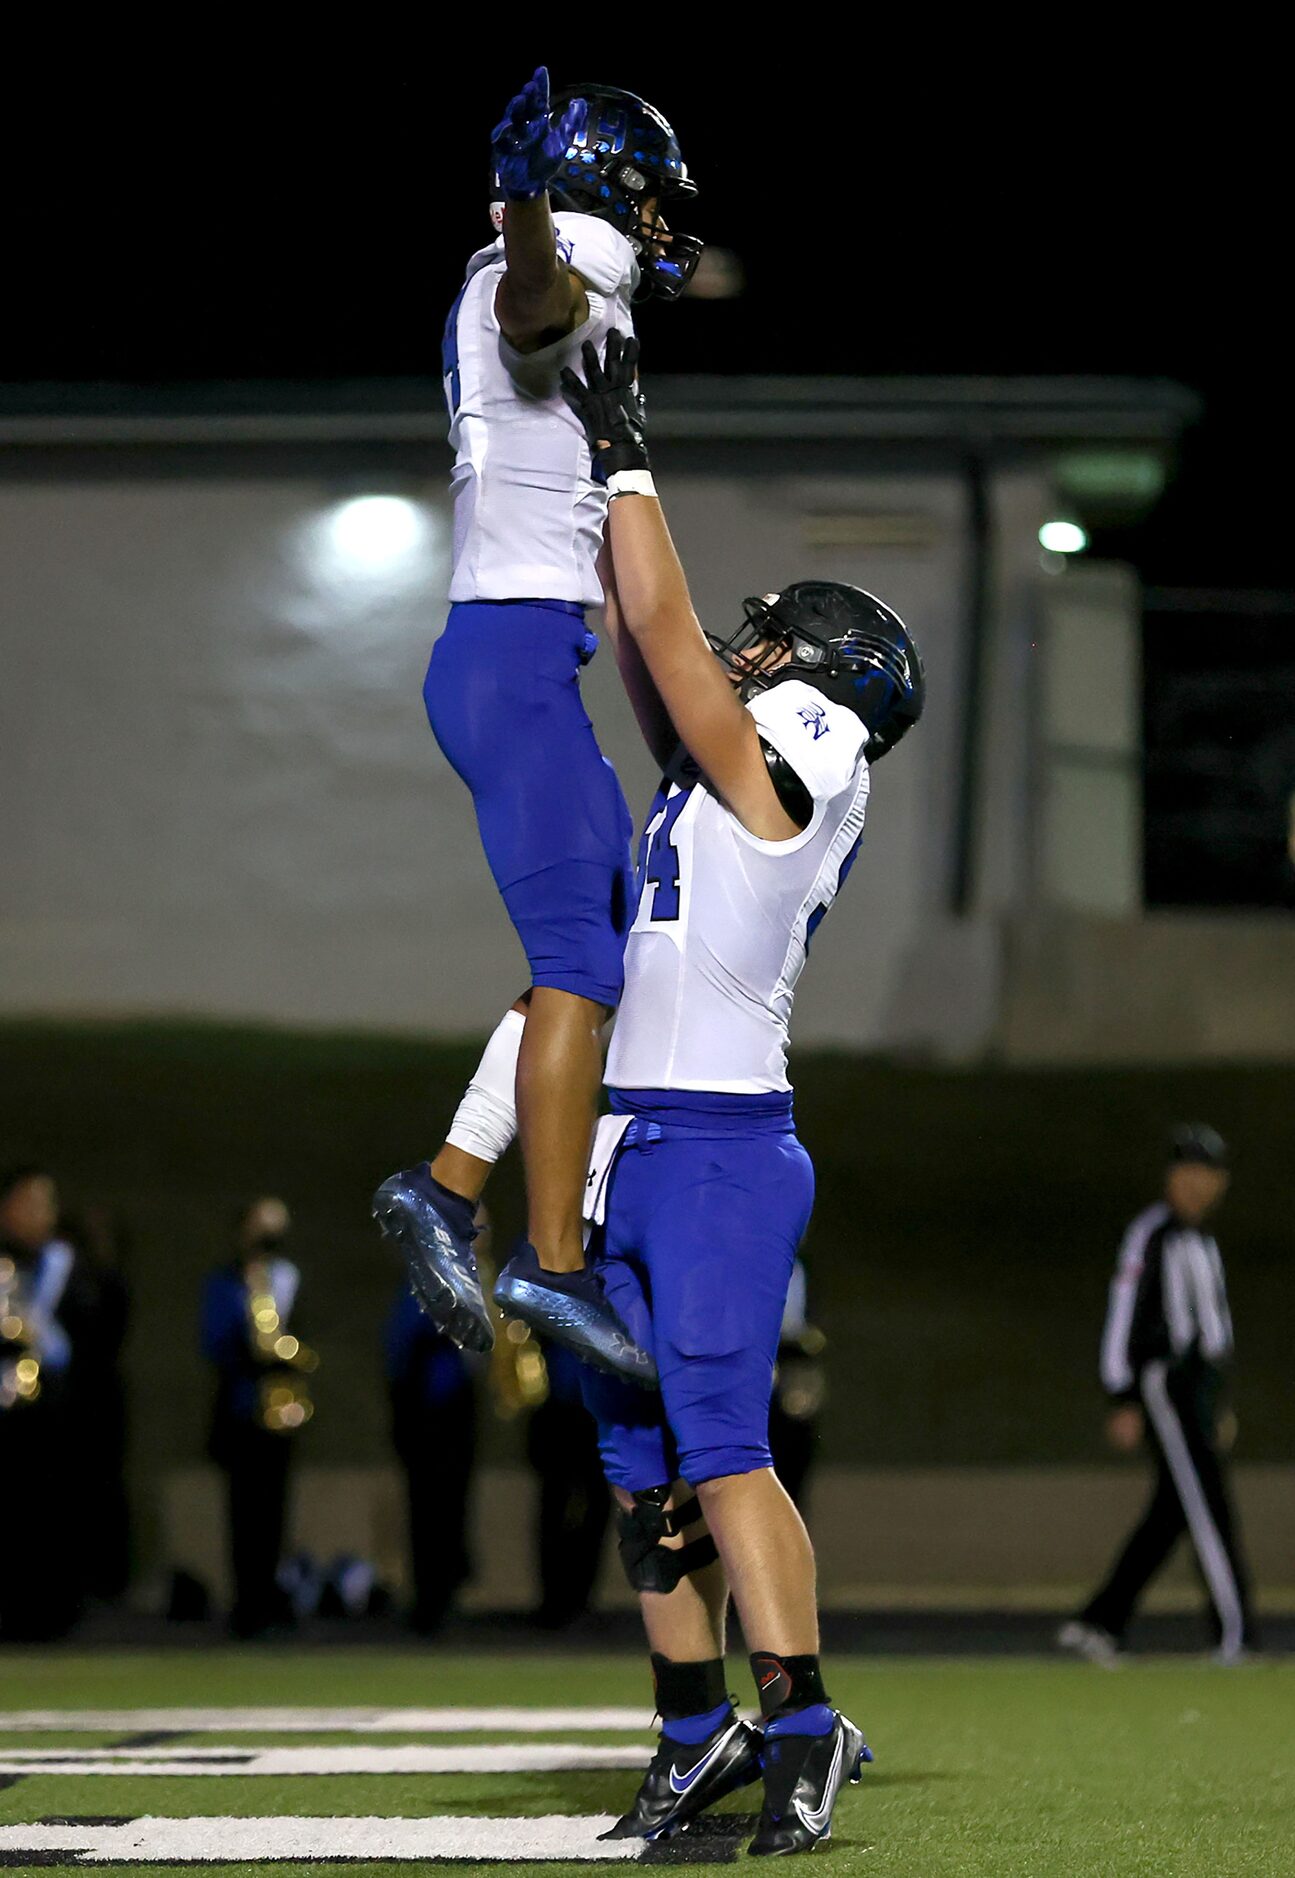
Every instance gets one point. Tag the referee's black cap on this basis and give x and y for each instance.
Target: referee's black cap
(1199, 1144)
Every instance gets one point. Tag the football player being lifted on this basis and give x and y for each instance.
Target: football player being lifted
(580, 183)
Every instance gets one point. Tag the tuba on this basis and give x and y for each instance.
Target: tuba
(284, 1402)
(19, 1348)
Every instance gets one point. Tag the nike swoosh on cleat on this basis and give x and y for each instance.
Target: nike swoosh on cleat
(817, 1820)
(682, 1786)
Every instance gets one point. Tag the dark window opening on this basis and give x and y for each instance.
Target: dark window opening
(1219, 749)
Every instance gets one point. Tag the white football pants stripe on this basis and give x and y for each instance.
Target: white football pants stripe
(1216, 1565)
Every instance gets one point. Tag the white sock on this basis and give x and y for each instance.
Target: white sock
(485, 1122)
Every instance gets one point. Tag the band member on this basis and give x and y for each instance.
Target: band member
(262, 1402)
(434, 1423)
(574, 1503)
(51, 1316)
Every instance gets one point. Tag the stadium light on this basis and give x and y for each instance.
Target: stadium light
(1063, 538)
(376, 534)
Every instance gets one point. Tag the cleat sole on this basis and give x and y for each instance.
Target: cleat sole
(435, 1295)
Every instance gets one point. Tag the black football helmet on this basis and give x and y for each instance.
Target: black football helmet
(625, 154)
(842, 641)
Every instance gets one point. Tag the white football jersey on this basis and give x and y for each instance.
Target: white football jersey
(528, 515)
(724, 919)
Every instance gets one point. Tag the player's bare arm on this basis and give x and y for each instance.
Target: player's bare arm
(718, 733)
(656, 608)
(539, 299)
(654, 720)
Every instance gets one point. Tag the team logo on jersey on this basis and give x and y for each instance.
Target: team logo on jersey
(814, 718)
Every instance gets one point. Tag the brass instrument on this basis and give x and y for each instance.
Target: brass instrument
(284, 1402)
(519, 1377)
(799, 1379)
(19, 1353)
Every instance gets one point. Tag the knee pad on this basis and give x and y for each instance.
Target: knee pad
(649, 1565)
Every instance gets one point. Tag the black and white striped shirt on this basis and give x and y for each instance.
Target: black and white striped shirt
(1168, 1301)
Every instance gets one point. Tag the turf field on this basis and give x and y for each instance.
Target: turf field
(996, 1767)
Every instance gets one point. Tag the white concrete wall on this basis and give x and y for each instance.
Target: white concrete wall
(220, 795)
(1089, 740)
(886, 1538)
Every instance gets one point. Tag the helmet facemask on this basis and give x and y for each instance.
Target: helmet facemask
(753, 651)
(872, 673)
(626, 156)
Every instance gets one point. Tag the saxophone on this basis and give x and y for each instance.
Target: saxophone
(519, 1377)
(19, 1352)
(284, 1402)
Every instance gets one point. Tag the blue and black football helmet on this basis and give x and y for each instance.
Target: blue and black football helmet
(842, 641)
(626, 154)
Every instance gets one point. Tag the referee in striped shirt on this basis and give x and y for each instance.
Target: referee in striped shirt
(1165, 1348)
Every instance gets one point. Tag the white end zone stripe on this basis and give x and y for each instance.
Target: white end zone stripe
(203, 1841)
(1216, 1566)
(414, 1721)
(503, 1757)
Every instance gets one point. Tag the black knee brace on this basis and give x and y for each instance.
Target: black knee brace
(649, 1565)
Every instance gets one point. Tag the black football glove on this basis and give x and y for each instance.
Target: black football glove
(609, 404)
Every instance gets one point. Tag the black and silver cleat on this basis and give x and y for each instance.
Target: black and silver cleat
(438, 1255)
(573, 1309)
(682, 1781)
(803, 1774)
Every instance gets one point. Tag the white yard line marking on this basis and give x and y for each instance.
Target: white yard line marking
(503, 1757)
(199, 1841)
(517, 1721)
(414, 1721)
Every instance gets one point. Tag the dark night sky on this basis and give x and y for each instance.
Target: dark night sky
(249, 214)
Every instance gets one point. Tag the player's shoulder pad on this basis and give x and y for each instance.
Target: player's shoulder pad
(823, 742)
(596, 251)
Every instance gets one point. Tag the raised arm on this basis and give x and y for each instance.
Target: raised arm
(655, 607)
(654, 721)
(539, 298)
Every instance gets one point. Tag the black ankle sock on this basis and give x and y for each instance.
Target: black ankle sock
(458, 1209)
(687, 1688)
(786, 1682)
(581, 1283)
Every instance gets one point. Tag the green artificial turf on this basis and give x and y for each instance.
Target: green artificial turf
(999, 1768)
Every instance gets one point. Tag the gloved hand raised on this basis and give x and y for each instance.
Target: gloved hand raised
(609, 404)
(527, 146)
